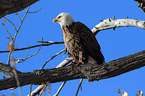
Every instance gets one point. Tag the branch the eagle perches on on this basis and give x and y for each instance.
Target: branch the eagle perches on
(90, 71)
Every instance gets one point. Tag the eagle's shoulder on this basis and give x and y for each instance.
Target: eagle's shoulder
(81, 25)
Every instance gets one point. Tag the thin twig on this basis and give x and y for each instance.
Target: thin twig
(11, 23)
(27, 52)
(12, 93)
(8, 32)
(58, 91)
(51, 42)
(51, 58)
(9, 56)
(23, 19)
(43, 89)
(34, 53)
(20, 25)
(30, 89)
(23, 59)
(17, 80)
(18, 16)
(49, 89)
(36, 11)
(34, 46)
(79, 86)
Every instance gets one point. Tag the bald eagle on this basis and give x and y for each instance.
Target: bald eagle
(79, 41)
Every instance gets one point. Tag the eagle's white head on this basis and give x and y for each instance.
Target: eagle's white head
(64, 19)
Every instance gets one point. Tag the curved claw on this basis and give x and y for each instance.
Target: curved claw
(80, 63)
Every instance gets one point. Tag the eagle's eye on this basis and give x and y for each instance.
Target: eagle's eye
(59, 17)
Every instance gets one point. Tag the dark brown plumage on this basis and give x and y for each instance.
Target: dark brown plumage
(80, 43)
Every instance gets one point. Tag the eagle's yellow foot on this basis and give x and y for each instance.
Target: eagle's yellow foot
(71, 63)
(80, 63)
(74, 62)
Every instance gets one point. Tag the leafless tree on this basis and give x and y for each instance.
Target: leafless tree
(63, 72)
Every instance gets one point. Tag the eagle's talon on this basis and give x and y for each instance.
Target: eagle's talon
(80, 63)
(71, 63)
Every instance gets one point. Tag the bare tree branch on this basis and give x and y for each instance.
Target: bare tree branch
(52, 58)
(12, 6)
(34, 46)
(90, 71)
(141, 4)
(79, 87)
(58, 91)
(111, 23)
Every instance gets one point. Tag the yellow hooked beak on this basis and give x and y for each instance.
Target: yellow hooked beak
(55, 20)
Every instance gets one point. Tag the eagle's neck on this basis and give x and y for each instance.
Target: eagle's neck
(66, 22)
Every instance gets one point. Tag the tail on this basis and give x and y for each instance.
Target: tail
(99, 57)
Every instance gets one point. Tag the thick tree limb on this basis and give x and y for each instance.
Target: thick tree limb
(12, 6)
(141, 4)
(7, 70)
(92, 72)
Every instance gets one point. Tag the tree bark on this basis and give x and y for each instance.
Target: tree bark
(90, 71)
(141, 4)
(12, 6)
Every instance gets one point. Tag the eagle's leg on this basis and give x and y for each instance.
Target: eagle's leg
(80, 58)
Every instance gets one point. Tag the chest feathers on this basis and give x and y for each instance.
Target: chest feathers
(73, 43)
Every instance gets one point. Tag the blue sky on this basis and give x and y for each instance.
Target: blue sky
(114, 44)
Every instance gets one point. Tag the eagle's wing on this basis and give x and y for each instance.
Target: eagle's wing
(89, 41)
